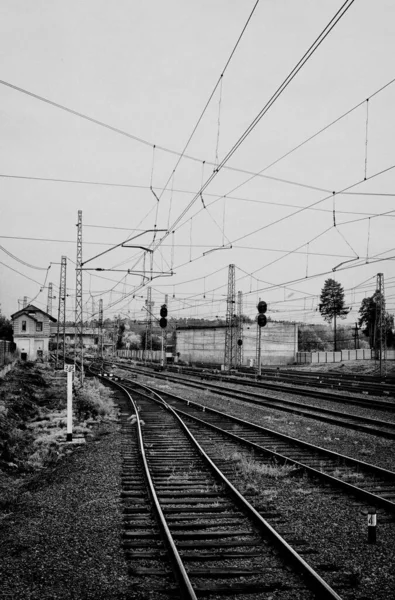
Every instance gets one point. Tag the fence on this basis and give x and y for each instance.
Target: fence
(148, 355)
(342, 356)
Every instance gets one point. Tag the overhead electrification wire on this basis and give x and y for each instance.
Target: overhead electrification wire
(325, 32)
(211, 95)
(19, 273)
(22, 261)
(260, 173)
(302, 209)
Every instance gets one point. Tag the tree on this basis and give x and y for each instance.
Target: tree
(120, 334)
(332, 304)
(155, 340)
(369, 318)
(5, 329)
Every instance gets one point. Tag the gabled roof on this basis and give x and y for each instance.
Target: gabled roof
(31, 309)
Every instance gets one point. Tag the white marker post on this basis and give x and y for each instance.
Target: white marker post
(69, 370)
(372, 525)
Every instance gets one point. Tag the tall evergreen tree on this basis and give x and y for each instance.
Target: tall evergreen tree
(332, 304)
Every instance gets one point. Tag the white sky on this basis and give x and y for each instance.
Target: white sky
(148, 68)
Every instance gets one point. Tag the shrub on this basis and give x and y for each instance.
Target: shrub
(93, 400)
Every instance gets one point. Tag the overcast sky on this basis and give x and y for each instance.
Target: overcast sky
(148, 69)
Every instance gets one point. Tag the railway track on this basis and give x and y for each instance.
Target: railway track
(378, 427)
(324, 380)
(206, 540)
(385, 405)
(369, 483)
(273, 378)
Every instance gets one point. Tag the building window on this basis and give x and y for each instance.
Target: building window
(39, 326)
(23, 325)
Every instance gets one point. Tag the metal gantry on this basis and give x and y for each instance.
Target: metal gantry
(49, 299)
(79, 323)
(231, 330)
(239, 347)
(61, 329)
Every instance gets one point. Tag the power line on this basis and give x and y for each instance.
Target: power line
(340, 13)
(210, 97)
(22, 261)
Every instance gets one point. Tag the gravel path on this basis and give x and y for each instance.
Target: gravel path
(63, 539)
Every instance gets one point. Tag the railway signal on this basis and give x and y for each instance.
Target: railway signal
(262, 308)
(163, 314)
(261, 320)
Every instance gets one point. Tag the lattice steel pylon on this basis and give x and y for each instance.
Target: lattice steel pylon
(380, 333)
(148, 329)
(239, 346)
(49, 299)
(100, 326)
(231, 329)
(61, 329)
(79, 321)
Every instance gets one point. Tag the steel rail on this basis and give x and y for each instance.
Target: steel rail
(325, 395)
(318, 584)
(322, 414)
(350, 488)
(176, 561)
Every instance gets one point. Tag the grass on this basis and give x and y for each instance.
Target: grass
(348, 475)
(93, 400)
(251, 468)
(253, 475)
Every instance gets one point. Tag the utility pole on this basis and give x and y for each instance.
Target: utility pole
(230, 331)
(49, 299)
(148, 329)
(334, 322)
(239, 348)
(380, 320)
(356, 337)
(100, 327)
(79, 322)
(61, 329)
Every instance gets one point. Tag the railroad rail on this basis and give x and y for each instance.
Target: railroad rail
(381, 428)
(386, 405)
(364, 384)
(217, 542)
(367, 482)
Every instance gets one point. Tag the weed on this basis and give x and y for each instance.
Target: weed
(348, 475)
(365, 451)
(93, 400)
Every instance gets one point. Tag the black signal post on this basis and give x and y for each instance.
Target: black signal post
(163, 325)
(262, 320)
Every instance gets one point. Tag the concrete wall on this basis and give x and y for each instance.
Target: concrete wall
(31, 346)
(207, 345)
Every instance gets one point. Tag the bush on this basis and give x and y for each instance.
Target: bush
(93, 400)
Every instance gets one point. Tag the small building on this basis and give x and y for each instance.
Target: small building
(31, 327)
(90, 336)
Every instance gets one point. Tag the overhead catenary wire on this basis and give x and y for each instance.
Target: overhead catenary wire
(22, 261)
(325, 32)
(212, 94)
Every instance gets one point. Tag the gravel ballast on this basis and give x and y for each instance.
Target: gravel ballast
(63, 538)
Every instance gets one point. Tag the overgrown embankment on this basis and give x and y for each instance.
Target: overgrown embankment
(33, 422)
